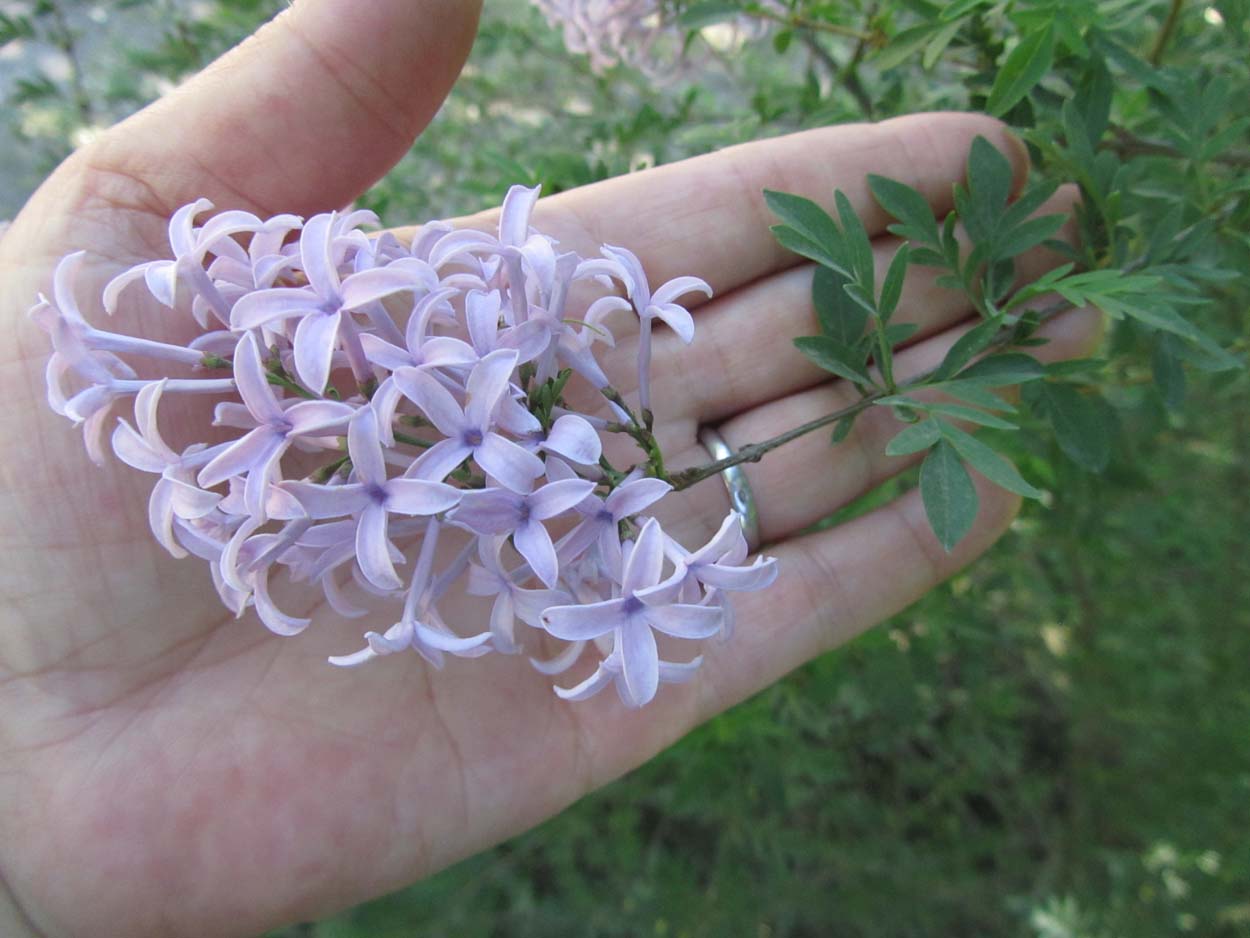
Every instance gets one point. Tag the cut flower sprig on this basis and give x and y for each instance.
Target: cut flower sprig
(424, 385)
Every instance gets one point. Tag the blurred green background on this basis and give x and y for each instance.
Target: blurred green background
(1052, 745)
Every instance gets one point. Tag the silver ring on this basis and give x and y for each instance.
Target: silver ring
(740, 497)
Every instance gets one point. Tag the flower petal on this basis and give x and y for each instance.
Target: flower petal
(251, 450)
(328, 501)
(316, 338)
(646, 560)
(511, 464)
(587, 688)
(437, 462)
(262, 307)
(434, 400)
(678, 287)
(420, 497)
(253, 384)
(633, 497)
(577, 623)
(487, 383)
(534, 544)
(373, 549)
(683, 621)
(640, 663)
(555, 498)
(316, 255)
(574, 438)
(514, 217)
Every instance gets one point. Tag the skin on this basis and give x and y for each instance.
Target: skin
(168, 770)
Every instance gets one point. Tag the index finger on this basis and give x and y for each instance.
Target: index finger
(706, 215)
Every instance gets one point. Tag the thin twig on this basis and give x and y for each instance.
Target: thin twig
(1165, 32)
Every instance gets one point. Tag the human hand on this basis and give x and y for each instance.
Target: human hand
(170, 770)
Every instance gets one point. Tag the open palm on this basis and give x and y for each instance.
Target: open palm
(168, 770)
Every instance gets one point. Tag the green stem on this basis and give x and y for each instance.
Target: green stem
(754, 452)
(1165, 32)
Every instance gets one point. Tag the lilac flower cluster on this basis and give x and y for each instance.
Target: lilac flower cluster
(642, 34)
(373, 398)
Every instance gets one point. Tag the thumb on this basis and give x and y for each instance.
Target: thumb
(303, 116)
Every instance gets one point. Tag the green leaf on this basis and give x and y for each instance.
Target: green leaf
(967, 346)
(1027, 235)
(1084, 425)
(995, 467)
(899, 332)
(1169, 372)
(800, 244)
(950, 499)
(999, 370)
(909, 207)
(975, 394)
(840, 317)
(914, 438)
(1025, 66)
(892, 288)
(969, 414)
(842, 429)
(805, 217)
(858, 245)
(834, 357)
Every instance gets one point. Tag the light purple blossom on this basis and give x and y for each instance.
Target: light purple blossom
(455, 431)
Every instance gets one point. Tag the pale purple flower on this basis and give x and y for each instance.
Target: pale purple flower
(372, 498)
(175, 493)
(469, 429)
(644, 604)
(651, 306)
(323, 307)
(512, 602)
(430, 638)
(502, 511)
(190, 246)
(256, 455)
(602, 516)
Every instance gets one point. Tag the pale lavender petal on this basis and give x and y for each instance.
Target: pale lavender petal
(316, 256)
(373, 552)
(274, 618)
(640, 662)
(251, 450)
(365, 449)
(534, 544)
(250, 378)
(678, 319)
(119, 283)
(316, 338)
(354, 659)
(188, 501)
(531, 604)
(454, 644)
(514, 217)
(561, 662)
(328, 501)
(262, 307)
(677, 287)
(134, 451)
(481, 313)
(580, 623)
(635, 280)
(502, 623)
(589, 687)
(573, 437)
(161, 518)
(384, 354)
(554, 498)
(512, 465)
(758, 576)
(437, 462)
(446, 352)
(487, 384)
(489, 511)
(632, 497)
(646, 560)
(369, 285)
(337, 598)
(315, 418)
(181, 226)
(434, 400)
(420, 497)
(683, 621)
